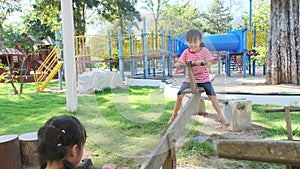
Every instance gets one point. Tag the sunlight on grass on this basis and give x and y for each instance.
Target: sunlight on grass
(113, 131)
(123, 125)
(275, 123)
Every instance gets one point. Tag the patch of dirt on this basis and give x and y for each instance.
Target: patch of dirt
(216, 131)
(213, 128)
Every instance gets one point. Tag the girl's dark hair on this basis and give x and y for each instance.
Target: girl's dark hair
(57, 135)
(194, 34)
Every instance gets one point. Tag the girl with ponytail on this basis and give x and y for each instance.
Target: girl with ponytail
(60, 142)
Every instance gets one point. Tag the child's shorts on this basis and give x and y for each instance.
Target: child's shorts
(209, 90)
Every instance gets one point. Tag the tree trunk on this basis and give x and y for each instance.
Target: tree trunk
(10, 74)
(283, 47)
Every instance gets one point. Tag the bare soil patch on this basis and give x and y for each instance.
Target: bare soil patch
(216, 131)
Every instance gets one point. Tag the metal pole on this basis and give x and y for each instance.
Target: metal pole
(153, 61)
(244, 57)
(57, 44)
(120, 46)
(109, 51)
(170, 63)
(219, 62)
(146, 73)
(131, 51)
(250, 14)
(163, 54)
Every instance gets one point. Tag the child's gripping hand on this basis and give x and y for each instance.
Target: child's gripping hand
(177, 64)
(198, 62)
(201, 63)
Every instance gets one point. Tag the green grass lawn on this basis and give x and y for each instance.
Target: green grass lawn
(121, 124)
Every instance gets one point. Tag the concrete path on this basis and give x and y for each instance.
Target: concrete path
(251, 87)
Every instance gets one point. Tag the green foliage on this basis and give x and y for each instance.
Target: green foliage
(35, 27)
(180, 18)
(8, 7)
(261, 58)
(8, 36)
(218, 18)
(8, 76)
(49, 13)
(120, 13)
(2, 76)
(12, 36)
(260, 14)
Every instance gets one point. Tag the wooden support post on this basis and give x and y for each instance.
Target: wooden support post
(170, 162)
(201, 107)
(288, 123)
(201, 110)
(287, 111)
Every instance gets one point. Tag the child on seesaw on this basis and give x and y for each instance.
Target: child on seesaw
(202, 59)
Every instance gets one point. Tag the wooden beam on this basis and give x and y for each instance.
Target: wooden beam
(160, 152)
(167, 142)
(272, 151)
(280, 110)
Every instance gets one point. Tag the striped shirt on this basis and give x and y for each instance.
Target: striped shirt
(201, 73)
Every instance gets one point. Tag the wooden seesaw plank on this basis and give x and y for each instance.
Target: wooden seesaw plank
(272, 151)
(164, 152)
(161, 151)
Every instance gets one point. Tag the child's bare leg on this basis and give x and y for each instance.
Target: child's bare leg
(217, 107)
(176, 108)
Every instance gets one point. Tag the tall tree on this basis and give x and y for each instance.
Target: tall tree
(48, 12)
(120, 12)
(155, 7)
(6, 8)
(217, 18)
(283, 59)
(180, 18)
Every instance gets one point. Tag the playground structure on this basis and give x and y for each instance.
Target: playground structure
(144, 48)
(32, 60)
(154, 53)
